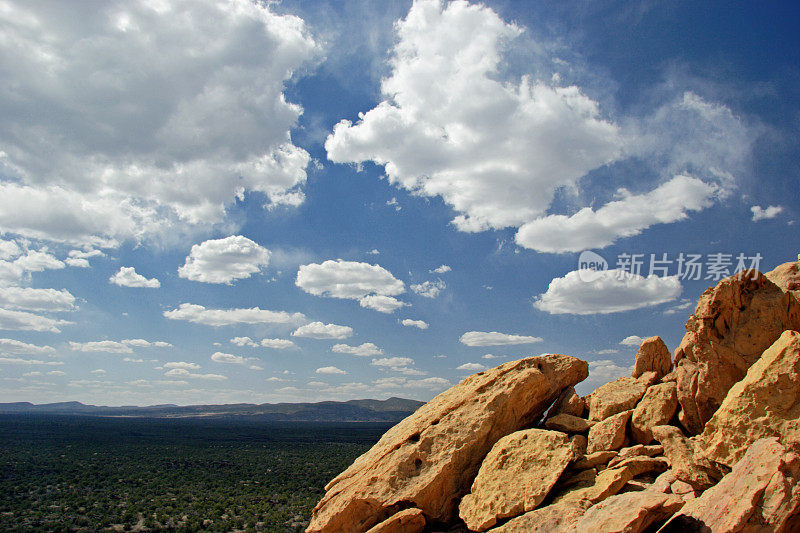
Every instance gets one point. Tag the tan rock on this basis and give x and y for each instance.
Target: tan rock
(656, 409)
(686, 466)
(407, 521)
(643, 465)
(663, 483)
(732, 325)
(631, 512)
(765, 403)
(568, 424)
(786, 276)
(515, 477)
(636, 451)
(615, 397)
(653, 355)
(592, 460)
(761, 493)
(555, 518)
(596, 487)
(579, 444)
(430, 458)
(649, 378)
(683, 489)
(568, 403)
(609, 434)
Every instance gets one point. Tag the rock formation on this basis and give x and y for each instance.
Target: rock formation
(709, 443)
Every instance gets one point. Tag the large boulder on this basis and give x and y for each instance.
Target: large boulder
(632, 512)
(568, 403)
(761, 493)
(734, 322)
(429, 459)
(609, 434)
(614, 397)
(555, 518)
(766, 403)
(686, 464)
(516, 476)
(656, 409)
(653, 356)
(406, 521)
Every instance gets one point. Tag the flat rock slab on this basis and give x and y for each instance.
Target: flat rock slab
(615, 397)
(516, 476)
(430, 459)
(555, 518)
(632, 512)
(656, 408)
(407, 521)
(568, 424)
(609, 434)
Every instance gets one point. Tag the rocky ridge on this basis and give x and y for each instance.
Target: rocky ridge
(705, 441)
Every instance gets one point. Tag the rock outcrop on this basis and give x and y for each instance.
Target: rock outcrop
(516, 449)
(430, 459)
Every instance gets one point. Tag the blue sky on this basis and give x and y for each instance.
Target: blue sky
(301, 201)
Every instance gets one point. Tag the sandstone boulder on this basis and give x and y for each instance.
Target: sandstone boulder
(696, 471)
(430, 458)
(786, 276)
(631, 512)
(653, 355)
(636, 451)
(515, 477)
(656, 409)
(568, 424)
(592, 460)
(407, 521)
(734, 322)
(614, 397)
(568, 403)
(555, 518)
(761, 493)
(765, 403)
(609, 434)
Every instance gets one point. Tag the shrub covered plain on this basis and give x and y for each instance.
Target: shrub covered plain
(71, 473)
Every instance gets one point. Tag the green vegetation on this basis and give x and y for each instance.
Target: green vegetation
(63, 473)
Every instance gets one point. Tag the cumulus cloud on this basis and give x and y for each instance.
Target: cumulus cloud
(608, 291)
(494, 150)
(182, 364)
(399, 382)
(443, 269)
(105, 145)
(23, 348)
(9, 250)
(367, 349)
(127, 277)
(32, 362)
(23, 321)
(80, 258)
(36, 299)
(143, 343)
(330, 370)
(183, 373)
(100, 346)
(632, 340)
(244, 341)
(318, 330)
(421, 324)
(764, 213)
(278, 344)
(221, 357)
(13, 272)
(380, 303)
(402, 365)
(372, 285)
(494, 338)
(228, 317)
(625, 217)
(429, 289)
(471, 367)
(224, 260)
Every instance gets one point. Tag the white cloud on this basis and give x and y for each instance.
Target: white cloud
(471, 367)
(107, 145)
(398, 382)
(183, 373)
(398, 364)
(601, 372)
(608, 291)
(372, 285)
(228, 317)
(494, 338)
(374, 251)
(429, 289)
(132, 360)
(494, 150)
(9, 250)
(35, 362)
(56, 373)
(625, 217)
(182, 364)
(99, 371)
(318, 330)
(367, 349)
(632, 340)
(224, 260)
(421, 324)
(492, 356)
(764, 213)
(127, 277)
(278, 344)
(36, 299)
(20, 320)
(244, 341)
(100, 346)
(23, 348)
(380, 303)
(220, 357)
(143, 343)
(12, 272)
(80, 258)
(441, 270)
(77, 262)
(330, 370)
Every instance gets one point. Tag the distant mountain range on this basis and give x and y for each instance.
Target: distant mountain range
(390, 410)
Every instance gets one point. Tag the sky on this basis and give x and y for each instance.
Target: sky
(233, 201)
